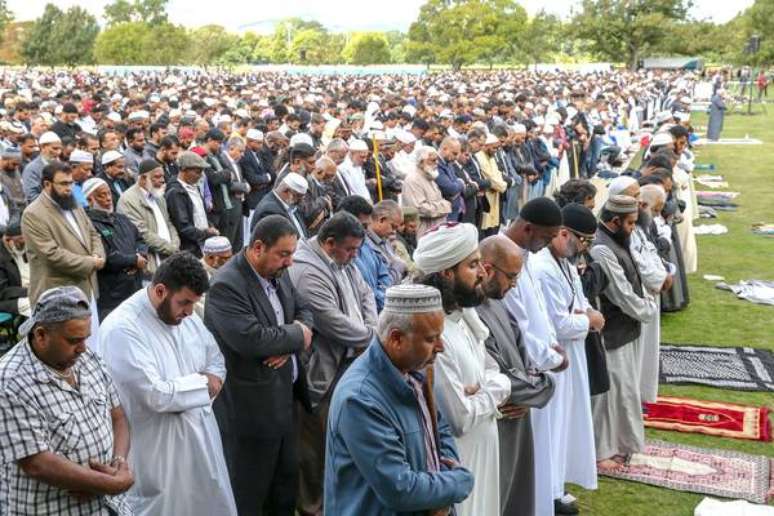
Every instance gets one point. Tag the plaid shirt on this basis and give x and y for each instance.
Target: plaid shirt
(41, 412)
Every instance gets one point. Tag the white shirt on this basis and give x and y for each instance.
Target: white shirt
(161, 224)
(199, 213)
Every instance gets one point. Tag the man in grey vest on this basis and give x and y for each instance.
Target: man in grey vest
(626, 305)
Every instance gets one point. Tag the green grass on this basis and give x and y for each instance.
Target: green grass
(714, 317)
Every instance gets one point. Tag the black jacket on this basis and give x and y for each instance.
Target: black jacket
(270, 205)
(258, 175)
(10, 283)
(62, 129)
(256, 400)
(180, 210)
(120, 278)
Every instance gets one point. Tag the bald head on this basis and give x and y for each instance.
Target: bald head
(502, 260)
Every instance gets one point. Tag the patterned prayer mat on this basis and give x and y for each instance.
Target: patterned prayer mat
(743, 369)
(709, 417)
(723, 473)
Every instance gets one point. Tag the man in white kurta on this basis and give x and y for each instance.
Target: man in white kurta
(572, 428)
(166, 374)
(538, 223)
(468, 384)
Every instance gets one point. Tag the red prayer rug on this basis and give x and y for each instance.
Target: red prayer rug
(724, 473)
(709, 417)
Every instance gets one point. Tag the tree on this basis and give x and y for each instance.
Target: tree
(61, 38)
(540, 38)
(308, 46)
(210, 43)
(153, 12)
(397, 44)
(367, 48)
(758, 20)
(6, 17)
(460, 32)
(136, 43)
(625, 30)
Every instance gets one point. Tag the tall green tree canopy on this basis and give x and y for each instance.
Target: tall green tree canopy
(61, 38)
(367, 48)
(134, 43)
(460, 32)
(625, 30)
(153, 12)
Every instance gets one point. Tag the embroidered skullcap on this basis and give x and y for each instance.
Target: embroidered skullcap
(80, 156)
(619, 185)
(412, 299)
(444, 247)
(541, 211)
(357, 145)
(621, 204)
(49, 137)
(111, 156)
(255, 135)
(579, 219)
(11, 153)
(296, 182)
(91, 184)
(57, 305)
(216, 245)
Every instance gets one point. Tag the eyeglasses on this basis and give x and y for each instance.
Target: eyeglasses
(512, 276)
(583, 239)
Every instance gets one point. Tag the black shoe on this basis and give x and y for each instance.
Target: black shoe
(565, 508)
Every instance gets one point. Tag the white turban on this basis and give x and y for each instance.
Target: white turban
(619, 184)
(446, 246)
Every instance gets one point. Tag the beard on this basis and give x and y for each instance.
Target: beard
(164, 311)
(493, 291)
(644, 219)
(432, 173)
(622, 237)
(158, 193)
(466, 296)
(66, 202)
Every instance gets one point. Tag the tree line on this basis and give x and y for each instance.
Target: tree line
(446, 32)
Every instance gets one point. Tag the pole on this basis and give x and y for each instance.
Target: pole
(749, 98)
(377, 168)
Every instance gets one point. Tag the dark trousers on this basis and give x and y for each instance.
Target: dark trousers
(264, 475)
(230, 225)
(312, 457)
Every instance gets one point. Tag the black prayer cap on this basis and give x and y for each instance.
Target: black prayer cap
(541, 211)
(579, 219)
(147, 165)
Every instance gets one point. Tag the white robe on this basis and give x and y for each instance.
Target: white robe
(573, 453)
(653, 274)
(526, 305)
(176, 451)
(685, 227)
(473, 419)
(355, 178)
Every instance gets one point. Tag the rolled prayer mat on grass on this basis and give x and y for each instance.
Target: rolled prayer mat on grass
(709, 417)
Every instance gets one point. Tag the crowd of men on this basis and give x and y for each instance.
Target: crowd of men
(274, 294)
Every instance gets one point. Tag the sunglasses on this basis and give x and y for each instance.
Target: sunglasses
(583, 239)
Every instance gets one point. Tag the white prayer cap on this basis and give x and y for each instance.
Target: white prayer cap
(490, 139)
(296, 182)
(446, 113)
(115, 117)
(411, 110)
(135, 115)
(301, 138)
(444, 247)
(406, 137)
(663, 117)
(216, 245)
(356, 145)
(661, 139)
(154, 98)
(571, 112)
(411, 298)
(49, 137)
(519, 128)
(110, 156)
(175, 113)
(242, 113)
(255, 135)
(548, 129)
(618, 185)
(91, 184)
(79, 156)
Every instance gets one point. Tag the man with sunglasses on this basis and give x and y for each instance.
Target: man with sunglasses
(572, 430)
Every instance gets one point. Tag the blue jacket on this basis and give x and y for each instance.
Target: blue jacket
(375, 271)
(451, 187)
(375, 460)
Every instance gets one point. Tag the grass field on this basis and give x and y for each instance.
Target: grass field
(714, 317)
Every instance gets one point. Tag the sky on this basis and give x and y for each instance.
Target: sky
(336, 15)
